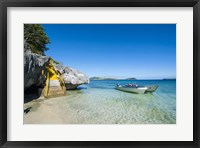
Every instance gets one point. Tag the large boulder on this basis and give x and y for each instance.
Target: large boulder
(72, 77)
(33, 66)
(35, 63)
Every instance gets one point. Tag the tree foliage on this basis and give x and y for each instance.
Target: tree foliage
(36, 38)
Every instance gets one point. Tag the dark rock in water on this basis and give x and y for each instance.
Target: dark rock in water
(72, 78)
(71, 86)
(33, 66)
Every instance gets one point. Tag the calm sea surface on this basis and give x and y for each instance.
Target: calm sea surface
(99, 103)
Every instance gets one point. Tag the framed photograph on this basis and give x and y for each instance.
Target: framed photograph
(100, 73)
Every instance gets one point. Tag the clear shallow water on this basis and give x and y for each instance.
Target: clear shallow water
(99, 103)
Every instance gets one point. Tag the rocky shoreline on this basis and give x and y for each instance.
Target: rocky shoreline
(35, 72)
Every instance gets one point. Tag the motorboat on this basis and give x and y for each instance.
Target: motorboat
(133, 88)
(137, 90)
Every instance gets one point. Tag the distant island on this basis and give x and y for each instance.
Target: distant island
(131, 79)
(102, 78)
(169, 79)
(105, 78)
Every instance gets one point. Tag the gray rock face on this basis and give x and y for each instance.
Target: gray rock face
(35, 63)
(72, 77)
(33, 66)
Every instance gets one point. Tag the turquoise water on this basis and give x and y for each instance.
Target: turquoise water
(99, 103)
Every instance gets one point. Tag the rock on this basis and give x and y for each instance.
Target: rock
(33, 66)
(72, 77)
(35, 63)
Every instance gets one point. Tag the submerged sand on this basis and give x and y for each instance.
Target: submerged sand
(102, 106)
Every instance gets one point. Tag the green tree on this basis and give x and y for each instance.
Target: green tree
(36, 38)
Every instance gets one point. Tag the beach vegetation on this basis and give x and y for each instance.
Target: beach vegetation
(36, 38)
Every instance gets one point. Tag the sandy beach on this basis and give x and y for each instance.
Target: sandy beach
(45, 111)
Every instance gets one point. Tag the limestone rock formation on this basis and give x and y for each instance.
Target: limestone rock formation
(33, 66)
(72, 77)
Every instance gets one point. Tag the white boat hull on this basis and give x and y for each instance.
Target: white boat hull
(140, 90)
(151, 88)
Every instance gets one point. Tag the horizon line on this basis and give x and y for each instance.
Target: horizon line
(134, 79)
(118, 77)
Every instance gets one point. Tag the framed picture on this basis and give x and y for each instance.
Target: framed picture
(100, 73)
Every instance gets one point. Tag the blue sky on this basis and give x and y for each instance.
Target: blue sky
(115, 50)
